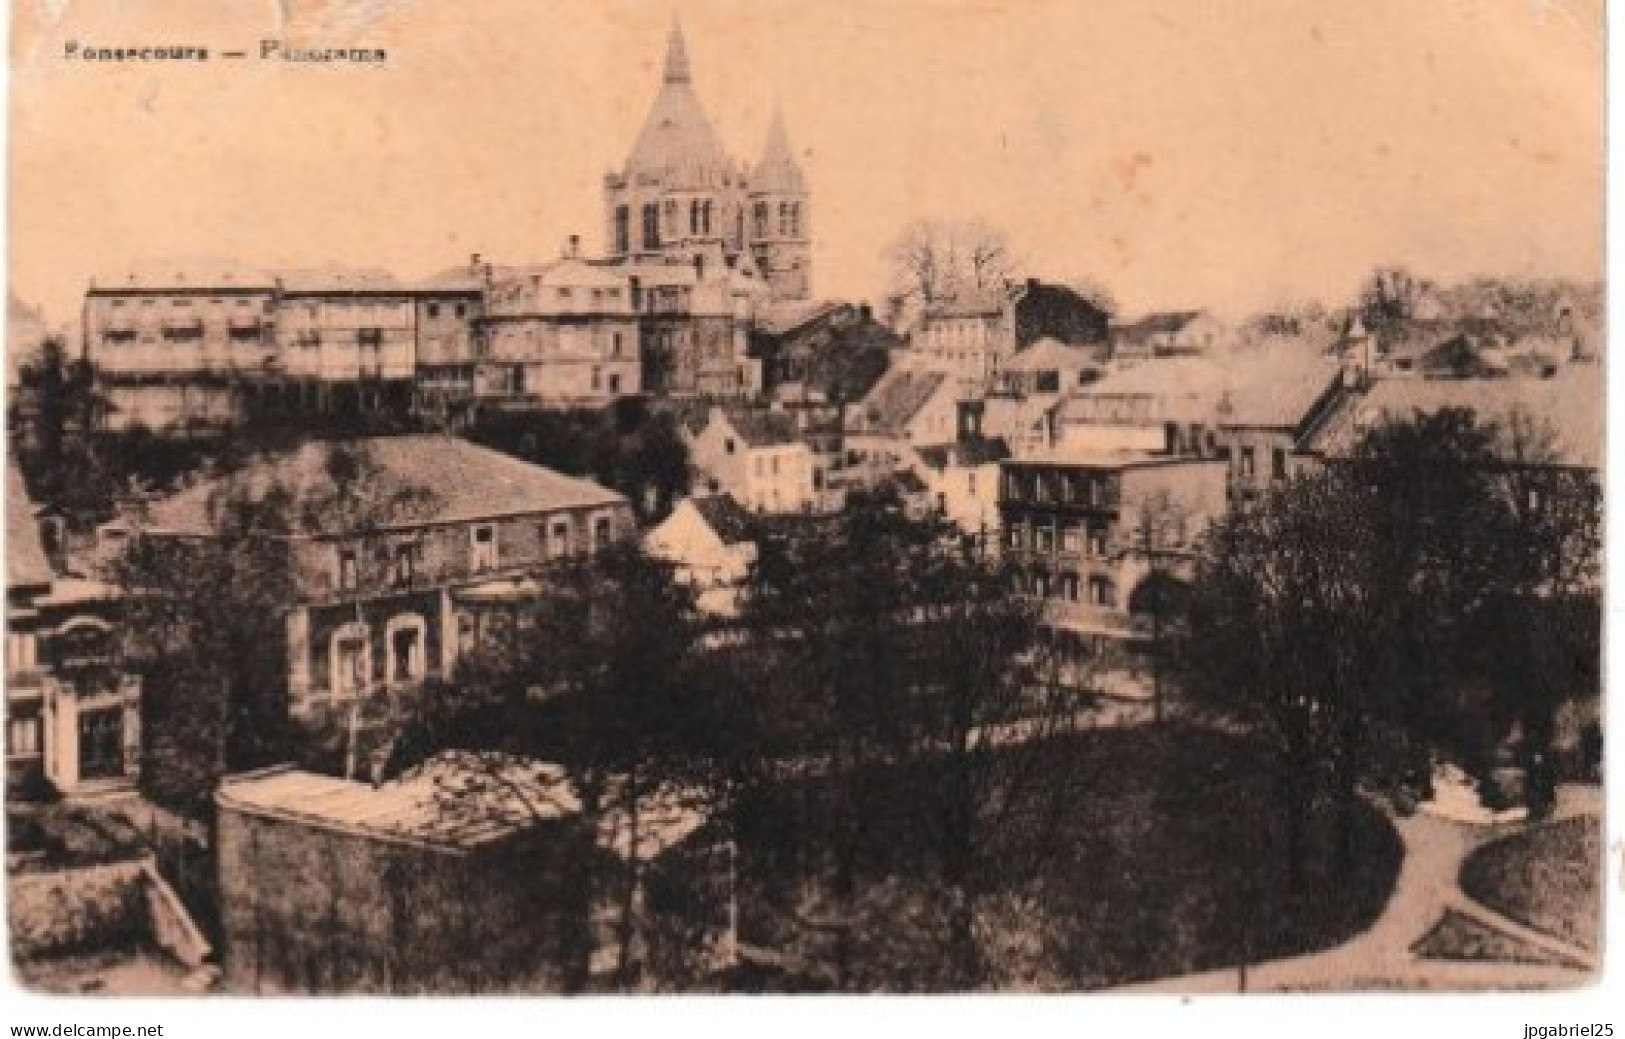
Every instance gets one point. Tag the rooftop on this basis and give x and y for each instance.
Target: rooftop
(458, 801)
(1570, 403)
(899, 395)
(677, 144)
(1048, 355)
(1157, 324)
(732, 523)
(974, 303)
(965, 453)
(761, 427)
(464, 482)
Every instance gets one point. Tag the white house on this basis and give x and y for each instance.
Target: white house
(710, 539)
(758, 457)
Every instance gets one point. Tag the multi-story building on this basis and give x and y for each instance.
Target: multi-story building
(448, 310)
(680, 199)
(205, 351)
(562, 333)
(385, 608)
(974, 334)
(351, 330)
(73, 718)
(1265, 417)
(1085, 530)
(171, 352)
(694, 329)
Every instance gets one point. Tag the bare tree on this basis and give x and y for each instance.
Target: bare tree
(933, 260)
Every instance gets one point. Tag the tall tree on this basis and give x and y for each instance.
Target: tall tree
(206, 615)
(896, 655)
(602, 672)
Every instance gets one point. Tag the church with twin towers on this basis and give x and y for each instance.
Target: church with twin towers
(681, 198)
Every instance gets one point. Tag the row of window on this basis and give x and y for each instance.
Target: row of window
(1068, 587)
(1069, 539)
(183, 302)
(1072, 486)
(404, 560)
(661, 222)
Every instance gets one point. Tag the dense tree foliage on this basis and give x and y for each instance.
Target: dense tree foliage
(1357, 616)
(630, 446)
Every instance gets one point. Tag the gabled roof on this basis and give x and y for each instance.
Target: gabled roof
(1570, 403)
(464, 482)
(1276, 387)
(26, 563)
(761, 427)
(782, 317)
(1158, 324)
(730, 520)
(1049, 355)
(899, 396)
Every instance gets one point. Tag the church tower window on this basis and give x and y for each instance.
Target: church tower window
(651, 226)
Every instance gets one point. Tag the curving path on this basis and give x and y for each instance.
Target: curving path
(1427, 885)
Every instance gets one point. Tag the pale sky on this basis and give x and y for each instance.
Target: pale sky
(1194, 153)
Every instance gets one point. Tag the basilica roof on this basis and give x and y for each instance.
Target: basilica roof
(677, 145)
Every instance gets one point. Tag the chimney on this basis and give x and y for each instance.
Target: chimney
(1032, 284)
(572, 251)
(474, 262)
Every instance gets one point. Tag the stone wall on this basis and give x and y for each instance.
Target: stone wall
(54, 914)
(314, 909)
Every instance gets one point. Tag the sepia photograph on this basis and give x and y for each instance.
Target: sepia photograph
(708, 497)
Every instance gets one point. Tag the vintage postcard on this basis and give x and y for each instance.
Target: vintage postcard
(708, 496)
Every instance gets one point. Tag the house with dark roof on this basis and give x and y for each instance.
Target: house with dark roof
(711, 539)
(759, 456)
(974, 333)
(389, 600)
(915, 406)
(73, 718)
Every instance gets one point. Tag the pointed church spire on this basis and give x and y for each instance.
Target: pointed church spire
(778, 169)
(778, 139)
(676, 55)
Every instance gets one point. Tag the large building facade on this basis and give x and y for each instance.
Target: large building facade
(680, 198)
(701, 249)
